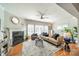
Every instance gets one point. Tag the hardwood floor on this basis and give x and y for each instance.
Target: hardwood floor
(17, 50)
(74, 51)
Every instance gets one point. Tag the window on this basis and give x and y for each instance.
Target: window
(46, 29)
(36, 29)
(30, 29)
(39, 29)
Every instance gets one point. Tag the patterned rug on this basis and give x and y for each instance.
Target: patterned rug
(30, 49)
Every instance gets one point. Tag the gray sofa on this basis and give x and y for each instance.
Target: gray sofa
(57, 42)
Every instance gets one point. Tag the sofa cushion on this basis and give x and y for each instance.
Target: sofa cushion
(45, 34)
(55, 36)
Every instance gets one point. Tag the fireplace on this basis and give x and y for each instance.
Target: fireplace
(18, 37)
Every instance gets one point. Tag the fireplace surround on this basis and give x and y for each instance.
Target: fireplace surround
(17, 37)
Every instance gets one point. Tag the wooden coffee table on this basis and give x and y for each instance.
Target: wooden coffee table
(74, 51)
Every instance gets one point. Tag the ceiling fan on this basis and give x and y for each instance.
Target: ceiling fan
(42, 14)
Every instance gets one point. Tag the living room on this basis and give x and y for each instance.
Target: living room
(36, 29)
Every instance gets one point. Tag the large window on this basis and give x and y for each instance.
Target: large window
(46, 29)
(30, 29)
(39, 29)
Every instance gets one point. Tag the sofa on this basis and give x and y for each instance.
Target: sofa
(57, 42)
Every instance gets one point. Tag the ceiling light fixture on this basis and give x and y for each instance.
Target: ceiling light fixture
(15, 20)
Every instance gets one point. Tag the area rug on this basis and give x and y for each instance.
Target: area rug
(30, 49)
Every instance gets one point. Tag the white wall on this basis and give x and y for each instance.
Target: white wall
(2, 17)
(12, 27)
(22, 26)
(2, 21)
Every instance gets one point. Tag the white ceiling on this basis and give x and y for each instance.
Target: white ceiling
(29, 10)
